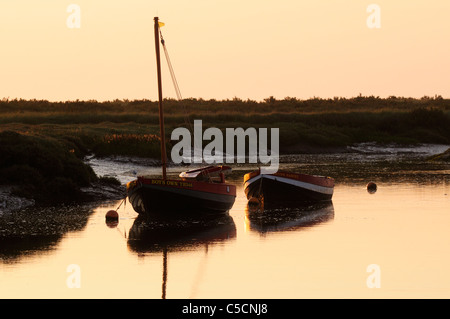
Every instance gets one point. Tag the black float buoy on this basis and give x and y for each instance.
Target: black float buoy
(371, 187)
(112, 218)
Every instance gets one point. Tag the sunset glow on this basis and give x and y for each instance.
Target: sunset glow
(246, 49)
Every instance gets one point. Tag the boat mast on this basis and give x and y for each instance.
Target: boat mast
(161, 114)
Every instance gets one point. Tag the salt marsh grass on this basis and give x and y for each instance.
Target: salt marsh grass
(43, 144)
(337, 122)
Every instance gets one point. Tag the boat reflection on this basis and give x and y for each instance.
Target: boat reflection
(287, 217)
(156, 234)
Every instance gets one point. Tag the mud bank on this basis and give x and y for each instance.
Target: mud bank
(10, 202)
(97, 192)
(445, 156)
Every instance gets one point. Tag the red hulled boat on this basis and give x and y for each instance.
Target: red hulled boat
(198, 191)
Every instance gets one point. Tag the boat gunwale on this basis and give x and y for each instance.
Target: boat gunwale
(209, 187)
(323, 181)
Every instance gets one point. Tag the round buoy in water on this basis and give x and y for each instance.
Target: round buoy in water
(112, 216)
(371, 187)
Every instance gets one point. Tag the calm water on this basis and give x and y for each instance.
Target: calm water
(323, 252)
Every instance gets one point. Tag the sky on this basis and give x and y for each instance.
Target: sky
(249, 49)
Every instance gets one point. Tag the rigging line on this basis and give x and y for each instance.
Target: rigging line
(172, 74)
(174, 80)
(169, 63)
(177, 88)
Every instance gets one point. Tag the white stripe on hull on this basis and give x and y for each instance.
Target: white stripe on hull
(309, 186)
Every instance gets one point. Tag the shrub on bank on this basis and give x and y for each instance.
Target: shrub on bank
(142, 145)
(42, 168)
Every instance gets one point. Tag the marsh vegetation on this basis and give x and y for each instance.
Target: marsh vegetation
(43, 143)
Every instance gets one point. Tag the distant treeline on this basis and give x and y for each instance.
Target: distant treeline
(130, 127)
(235, 105)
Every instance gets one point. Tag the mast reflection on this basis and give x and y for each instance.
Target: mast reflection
(157, 234)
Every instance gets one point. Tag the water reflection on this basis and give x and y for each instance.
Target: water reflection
(157, 234)
(28, 231)
(282, 217)
(12, 249)
(238, 254)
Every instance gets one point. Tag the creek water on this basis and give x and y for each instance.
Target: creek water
(394, 243)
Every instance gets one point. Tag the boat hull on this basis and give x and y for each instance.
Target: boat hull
(175, 197)
(285, 187)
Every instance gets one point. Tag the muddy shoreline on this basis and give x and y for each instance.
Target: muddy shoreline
(24, 218)
(103, 191)
(10, 202)
(98, 192)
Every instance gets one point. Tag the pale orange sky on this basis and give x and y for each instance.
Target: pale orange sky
(224, 49)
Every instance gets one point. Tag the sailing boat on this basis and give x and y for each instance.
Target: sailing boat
(197, 191)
